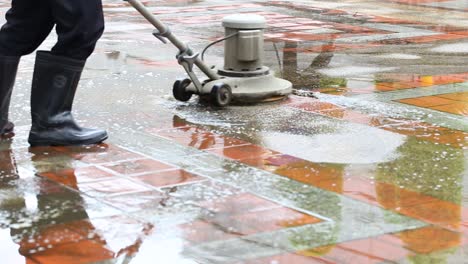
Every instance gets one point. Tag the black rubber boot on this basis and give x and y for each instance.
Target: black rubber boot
(55, 80)
(8, 69)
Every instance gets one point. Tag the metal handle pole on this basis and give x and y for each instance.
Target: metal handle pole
(179, 44)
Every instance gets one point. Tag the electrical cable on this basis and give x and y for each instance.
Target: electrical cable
(216, 42)
(278, 58)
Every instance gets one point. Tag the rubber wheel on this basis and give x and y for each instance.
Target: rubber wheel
(179, 90)
(221, 95)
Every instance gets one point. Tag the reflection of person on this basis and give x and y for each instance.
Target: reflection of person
(56, 220)
(79, 24)
(36, 227)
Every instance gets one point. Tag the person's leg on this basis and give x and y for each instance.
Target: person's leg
(28, 24)
(79, 25)
(8, 68)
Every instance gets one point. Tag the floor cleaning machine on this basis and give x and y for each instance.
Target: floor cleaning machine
(243, 79)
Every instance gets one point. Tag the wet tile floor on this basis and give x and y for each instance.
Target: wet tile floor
(366, 163)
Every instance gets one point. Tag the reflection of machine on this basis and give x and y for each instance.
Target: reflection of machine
(310, 78)
(243, 79)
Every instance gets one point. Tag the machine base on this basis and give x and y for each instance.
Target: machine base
(248, 90)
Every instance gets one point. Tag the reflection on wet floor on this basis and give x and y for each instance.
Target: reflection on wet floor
(366, 164)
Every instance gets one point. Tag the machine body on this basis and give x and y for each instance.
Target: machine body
(243, 77)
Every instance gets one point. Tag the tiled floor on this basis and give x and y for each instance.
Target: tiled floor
(365, 164)
(454, 103)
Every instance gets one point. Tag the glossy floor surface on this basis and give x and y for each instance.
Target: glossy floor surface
(366, 163)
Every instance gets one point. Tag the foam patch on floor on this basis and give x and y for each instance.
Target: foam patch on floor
(362, 146)
(452, 48)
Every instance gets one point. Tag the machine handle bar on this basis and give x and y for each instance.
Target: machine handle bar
(173, 39)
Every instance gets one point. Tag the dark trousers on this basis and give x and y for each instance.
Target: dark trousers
(79, 25)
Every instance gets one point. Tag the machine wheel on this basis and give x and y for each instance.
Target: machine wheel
(221, 95)
(179, 90)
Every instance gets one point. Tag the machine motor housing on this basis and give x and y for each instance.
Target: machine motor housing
(244, 52)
